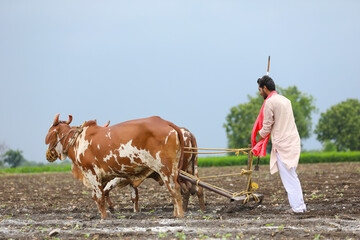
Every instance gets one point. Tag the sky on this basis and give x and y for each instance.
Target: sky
(186, 61)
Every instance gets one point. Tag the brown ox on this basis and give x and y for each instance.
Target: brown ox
(132, 150)
(189, 165)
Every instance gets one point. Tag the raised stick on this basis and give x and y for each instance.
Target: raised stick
(268, 66)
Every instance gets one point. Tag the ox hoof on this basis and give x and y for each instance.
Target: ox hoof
(108, 214)
(111, 209)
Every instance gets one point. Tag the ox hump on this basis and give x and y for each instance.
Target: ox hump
(90, 123)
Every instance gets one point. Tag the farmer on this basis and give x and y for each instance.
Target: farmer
(276, 118)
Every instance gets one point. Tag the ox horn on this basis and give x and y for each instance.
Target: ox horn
(70, 119)
(107, 124)
(56, 119)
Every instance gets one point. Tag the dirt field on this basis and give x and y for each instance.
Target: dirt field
(56, 206)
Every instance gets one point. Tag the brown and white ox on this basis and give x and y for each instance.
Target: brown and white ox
(132, 150)
(189, 165)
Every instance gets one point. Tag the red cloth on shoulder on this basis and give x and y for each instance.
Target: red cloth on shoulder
(259, 148)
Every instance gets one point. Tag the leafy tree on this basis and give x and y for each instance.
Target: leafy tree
(303, 106)
(13, 158)
(340, 124)
(240, 120)
(329, 146)
(3, 149)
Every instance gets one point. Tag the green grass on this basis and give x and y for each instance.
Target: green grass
(317, 157)
(224, 161)
(47, 168)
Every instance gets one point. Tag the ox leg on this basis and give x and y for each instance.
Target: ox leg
(185, 199)
(175, 190)
(116, 182)
(99, 198)
(199, 191)
(186, 188)
(107, 188)
(192, 190)
(98, 193)
(109, 202)
(200, 195)
(135, 197)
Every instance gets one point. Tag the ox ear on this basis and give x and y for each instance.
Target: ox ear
(49, 136)
(70, 120)
(56, 119)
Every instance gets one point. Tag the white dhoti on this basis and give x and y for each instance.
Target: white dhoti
(292, 186)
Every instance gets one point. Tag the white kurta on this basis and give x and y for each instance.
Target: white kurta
(279, 121)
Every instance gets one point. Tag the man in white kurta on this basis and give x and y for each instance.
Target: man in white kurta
(280, 123)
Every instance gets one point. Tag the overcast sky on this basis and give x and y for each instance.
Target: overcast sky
(186, 61)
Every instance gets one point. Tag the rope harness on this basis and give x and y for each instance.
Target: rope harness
(76, 132)
(236, 151)
(251, 186)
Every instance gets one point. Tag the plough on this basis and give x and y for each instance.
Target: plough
(244, 196)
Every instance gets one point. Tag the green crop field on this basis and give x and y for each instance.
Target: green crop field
(318, 157)
(47, 168)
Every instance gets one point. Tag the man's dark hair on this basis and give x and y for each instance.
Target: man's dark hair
(266, 81)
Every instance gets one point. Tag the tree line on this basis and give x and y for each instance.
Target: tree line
(14, 158)
(10, 158)
(337, 129)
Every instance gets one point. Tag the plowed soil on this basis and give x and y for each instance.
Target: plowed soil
(57, 206)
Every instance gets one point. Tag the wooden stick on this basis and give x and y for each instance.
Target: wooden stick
(268, 66)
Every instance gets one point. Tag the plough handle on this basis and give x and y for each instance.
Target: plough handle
(229, 194)
(257, 164)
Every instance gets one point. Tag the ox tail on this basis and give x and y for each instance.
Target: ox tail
(182, 144)
(194, 156)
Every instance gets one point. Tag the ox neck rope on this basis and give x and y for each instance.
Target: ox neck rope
(73, 138)
(76, 131)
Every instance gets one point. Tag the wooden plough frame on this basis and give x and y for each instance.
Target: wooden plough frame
(244, 196)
